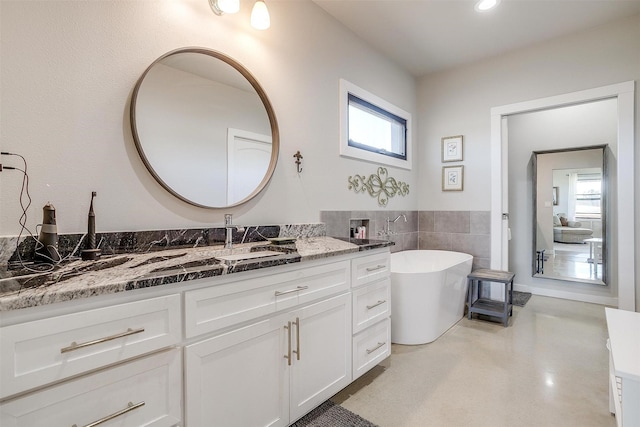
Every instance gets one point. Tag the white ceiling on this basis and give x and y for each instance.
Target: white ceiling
(426, 36)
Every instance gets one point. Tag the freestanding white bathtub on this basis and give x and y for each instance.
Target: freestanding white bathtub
(428, 293)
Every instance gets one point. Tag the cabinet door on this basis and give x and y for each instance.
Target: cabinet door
(240, 378)
(322, 363)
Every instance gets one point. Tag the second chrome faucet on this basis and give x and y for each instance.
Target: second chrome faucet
(228, 225)
(387, 231)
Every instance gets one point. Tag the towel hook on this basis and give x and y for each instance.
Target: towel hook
(298, 156)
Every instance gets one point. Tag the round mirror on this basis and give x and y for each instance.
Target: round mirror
(204, 128)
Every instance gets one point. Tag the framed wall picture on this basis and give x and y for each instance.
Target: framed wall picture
(452, 178)
(452, 148)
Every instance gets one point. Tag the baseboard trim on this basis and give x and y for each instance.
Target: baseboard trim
(574, 296)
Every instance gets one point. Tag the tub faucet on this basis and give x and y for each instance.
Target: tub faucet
(388, 231)
(401, 216)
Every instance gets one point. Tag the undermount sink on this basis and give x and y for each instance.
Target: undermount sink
(248, 256)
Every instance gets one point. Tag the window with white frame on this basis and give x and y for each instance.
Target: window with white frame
(588, 196)
(373, 129)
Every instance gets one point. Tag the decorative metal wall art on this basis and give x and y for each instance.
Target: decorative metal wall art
(381, 186)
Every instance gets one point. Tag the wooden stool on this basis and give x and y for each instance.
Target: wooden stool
(490, 307)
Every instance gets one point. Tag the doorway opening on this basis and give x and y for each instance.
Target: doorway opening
(622, 266)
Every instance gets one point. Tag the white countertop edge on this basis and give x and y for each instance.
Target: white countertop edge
(624, 336)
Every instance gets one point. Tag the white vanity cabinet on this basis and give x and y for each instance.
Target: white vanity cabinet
(258, 348)
(275, 370)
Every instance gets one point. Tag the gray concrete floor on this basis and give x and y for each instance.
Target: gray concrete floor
(548, 368)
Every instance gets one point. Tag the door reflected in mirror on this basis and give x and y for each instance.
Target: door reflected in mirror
(570, 215)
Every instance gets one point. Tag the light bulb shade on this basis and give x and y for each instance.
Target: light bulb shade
(260, 19)
(224, 6)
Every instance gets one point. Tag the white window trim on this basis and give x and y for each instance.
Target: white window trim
(356, 153)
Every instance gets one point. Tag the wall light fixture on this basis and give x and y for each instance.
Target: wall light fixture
(260, 19)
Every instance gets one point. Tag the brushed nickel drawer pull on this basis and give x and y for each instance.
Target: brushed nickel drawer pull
(130, 407)
(369, 307)
(75, 346)
(380, 344)
(297, 289)
(377, 267)
(297, 350)
(288, 355)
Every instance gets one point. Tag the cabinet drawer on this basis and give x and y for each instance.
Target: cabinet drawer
(371, 304)
(144, 392)
(370, 268)
(371, 346)
(43, 351)
(218, 307)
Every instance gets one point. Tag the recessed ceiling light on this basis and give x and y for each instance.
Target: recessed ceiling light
(484, 5)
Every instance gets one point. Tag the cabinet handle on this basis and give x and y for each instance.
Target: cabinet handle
(130, 407)
(377, 267)
(297, 350)
(298, 288)
(75, 346)
(380, 344)
(288, 355)
(369, 307)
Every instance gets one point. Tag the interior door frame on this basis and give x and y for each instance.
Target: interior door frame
(233, 135)
(624, 265)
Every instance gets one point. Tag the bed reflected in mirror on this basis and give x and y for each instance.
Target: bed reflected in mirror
(569, 190)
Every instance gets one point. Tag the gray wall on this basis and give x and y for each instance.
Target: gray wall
(68, 69)
(459, 231)
(459, 101)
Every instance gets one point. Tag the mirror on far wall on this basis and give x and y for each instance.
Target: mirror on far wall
(204, 128)
(569, 219)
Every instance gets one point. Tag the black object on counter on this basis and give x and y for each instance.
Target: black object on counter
(90, 252)
(47, 245)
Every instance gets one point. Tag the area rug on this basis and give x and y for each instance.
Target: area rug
(331, 415)
(520, 298)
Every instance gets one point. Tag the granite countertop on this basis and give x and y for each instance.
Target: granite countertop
(78, 279)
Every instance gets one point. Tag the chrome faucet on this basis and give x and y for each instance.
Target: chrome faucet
(387, 232)
(228, 240)
(229, 227)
